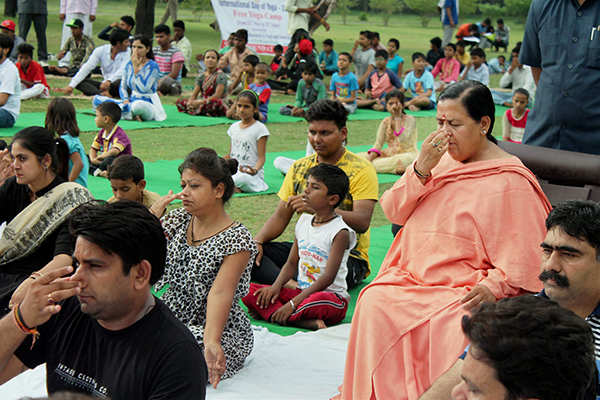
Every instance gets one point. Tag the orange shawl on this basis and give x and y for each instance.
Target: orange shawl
(475, 223)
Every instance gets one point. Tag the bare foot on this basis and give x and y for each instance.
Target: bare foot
(103, 174)
(237, 190)
(413, 108)
(254, 314)
(291, 284)
(312, 324)
(138, 118)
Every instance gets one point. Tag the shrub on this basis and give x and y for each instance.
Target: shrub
(386, 7)
(517, 8)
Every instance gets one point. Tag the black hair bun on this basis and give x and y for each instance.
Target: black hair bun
(232, 165)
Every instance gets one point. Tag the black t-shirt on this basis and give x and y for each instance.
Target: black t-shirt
(155, 358)
(433, 56)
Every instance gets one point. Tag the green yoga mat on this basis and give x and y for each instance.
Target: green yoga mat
(162, 176)
(85, 119)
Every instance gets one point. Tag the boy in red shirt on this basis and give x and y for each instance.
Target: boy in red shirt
(33, 80)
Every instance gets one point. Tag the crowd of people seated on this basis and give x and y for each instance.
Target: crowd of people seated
(476, 238)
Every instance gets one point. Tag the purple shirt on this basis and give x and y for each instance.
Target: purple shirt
(104, 141)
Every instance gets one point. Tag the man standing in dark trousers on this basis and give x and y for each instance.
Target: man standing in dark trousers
(144, 17)
(35, 11)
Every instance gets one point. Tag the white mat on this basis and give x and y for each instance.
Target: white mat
(307, 365)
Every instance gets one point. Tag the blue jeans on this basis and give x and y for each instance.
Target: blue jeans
(6, 119)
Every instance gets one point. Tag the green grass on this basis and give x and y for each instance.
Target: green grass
(175, 143)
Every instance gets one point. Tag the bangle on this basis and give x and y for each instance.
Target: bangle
(374, 150)
(293, 306)
(420, 175)
(258, 242)
(21, 324)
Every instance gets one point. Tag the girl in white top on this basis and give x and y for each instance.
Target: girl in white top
(318, 258)
(249, 144)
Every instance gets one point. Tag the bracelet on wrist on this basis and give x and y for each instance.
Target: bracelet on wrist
(258, 242)
(22, 326)
(374, 150)
(293, 305)
(420, 175)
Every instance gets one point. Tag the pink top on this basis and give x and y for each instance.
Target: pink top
(450, 69)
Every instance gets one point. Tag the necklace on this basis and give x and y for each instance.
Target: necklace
(399, 132)
(322, 221)
(194, 241)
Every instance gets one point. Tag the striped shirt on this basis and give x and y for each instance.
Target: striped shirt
(166, 59)
(593, 321)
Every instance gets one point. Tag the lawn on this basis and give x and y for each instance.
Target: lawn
(175, 143)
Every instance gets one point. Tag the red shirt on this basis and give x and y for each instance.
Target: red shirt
(34, 73)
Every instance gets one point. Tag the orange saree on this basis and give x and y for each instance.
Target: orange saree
(470, 224)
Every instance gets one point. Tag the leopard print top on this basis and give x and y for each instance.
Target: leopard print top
(190, 272)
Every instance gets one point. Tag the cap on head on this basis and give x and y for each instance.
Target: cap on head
(8, 24)
(305, 47)
(75, 23)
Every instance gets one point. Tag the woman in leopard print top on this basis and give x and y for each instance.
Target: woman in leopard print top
(209, 258)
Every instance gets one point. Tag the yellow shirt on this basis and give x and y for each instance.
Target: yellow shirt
(464, 59)
(363, 186)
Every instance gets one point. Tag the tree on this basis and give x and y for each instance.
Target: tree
(425, 8)
(387, 7)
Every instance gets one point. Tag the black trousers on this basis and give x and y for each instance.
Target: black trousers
(144, 17)
(89, 87)
(275, 254)
(40, 22)
(103, 166)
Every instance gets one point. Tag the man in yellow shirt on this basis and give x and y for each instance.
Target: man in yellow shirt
(327, 133)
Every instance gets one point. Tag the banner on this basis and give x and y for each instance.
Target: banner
(265, 20)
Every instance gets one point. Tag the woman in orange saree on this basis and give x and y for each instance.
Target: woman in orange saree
(473, 218)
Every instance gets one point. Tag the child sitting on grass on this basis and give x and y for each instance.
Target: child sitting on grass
(126, 176)
(515, 118)
(344, 85)
(247, 76)
(379, 82)
(243, 81)
(462, 55)
(249, 145)
(399, 132)
(310, 89)
(61, 120)
(448, 68)
(477, 70)
(318, 258)
(33, 79)
(419, 85)
(111, 141)
(262, 89)
(276, 61)
(328, 58)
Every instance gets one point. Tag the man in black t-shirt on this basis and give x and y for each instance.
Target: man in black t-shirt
(114, 339)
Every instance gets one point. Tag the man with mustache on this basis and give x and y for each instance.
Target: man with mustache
(570, 272)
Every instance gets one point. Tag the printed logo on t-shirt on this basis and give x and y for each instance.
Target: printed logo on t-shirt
(419, 87)
(341, 89)
(309, 271)
(81, 381)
